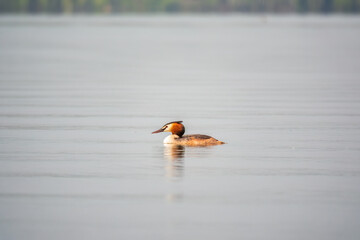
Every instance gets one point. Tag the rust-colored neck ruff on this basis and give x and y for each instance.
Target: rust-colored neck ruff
(177, 129)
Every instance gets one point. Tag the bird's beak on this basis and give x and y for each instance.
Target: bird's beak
(157, 131)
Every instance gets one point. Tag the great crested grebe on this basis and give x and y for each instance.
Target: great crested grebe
(178, 137)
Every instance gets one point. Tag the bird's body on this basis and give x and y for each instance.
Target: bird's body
(177, 129)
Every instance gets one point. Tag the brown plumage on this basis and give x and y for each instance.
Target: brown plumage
(198, 140)
(177, 129)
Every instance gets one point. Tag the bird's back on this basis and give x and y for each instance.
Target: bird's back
(198, 140)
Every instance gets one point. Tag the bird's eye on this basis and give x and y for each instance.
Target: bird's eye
(164, 127)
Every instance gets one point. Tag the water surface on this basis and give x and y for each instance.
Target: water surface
(79, 97)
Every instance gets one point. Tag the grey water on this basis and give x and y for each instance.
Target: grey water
(80, 96)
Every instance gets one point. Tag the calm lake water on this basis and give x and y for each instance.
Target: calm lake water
(79, 97)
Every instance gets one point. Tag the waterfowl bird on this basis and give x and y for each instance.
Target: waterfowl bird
(178, 137)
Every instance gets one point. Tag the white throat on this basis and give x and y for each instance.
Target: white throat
(171, 139)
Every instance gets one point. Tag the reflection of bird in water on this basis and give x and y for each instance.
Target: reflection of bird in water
(178, 137)
(174, 152)
(174, 155)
